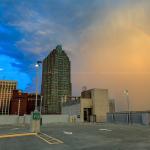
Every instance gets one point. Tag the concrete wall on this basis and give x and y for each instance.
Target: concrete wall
(46, 119)
(8, 119)
(100, 104)
(85, 103)
(132, 117)
(73, 111)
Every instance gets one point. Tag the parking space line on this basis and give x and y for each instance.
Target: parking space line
(16, 135)
(48, 139)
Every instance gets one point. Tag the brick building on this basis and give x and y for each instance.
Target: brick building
(23, 103)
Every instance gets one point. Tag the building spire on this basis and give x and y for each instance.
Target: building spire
(59, 47)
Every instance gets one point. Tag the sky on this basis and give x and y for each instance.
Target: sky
(107, 41)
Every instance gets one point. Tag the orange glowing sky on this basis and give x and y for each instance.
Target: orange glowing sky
(115, 54)
(108, 42)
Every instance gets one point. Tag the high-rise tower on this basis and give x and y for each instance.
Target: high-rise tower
(56, 80)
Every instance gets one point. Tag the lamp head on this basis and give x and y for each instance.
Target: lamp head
(126, 92)
(36, 65)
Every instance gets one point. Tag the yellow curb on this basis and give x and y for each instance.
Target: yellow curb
(16, 135)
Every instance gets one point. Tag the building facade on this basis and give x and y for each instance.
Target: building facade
(56, 80)
(6, 91)
(23, 103)
(93, 106)
(111, 105)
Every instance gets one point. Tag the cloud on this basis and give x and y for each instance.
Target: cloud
(114, 49)
(11, 72)
(107, 41)
(49, 23)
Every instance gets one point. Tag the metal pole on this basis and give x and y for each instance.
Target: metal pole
(36, 87)
(128, 104)
(2, 106)
(41, 104)
(19, 107)
(37, 65)
(9, 106)
(129, 118)
(6, 106)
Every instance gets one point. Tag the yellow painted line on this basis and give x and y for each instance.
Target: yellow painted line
(16, 135)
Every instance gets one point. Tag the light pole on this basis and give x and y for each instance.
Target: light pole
(37, 66)
(128, 103)
(36, 117)
(41, 104)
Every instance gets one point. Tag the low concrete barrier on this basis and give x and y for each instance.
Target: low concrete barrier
(26, 119)
(46, 119)
(137, 117)
(8, 119)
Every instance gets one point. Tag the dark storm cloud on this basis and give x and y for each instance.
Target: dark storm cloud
(108, 41)
(31, 28)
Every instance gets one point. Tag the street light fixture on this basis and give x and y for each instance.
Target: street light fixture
(126, 92)
(36, 65)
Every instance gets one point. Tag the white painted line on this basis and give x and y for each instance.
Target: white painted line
(66, 132)
(105, 130)
(14, 129)
(49, 142)
(52, 137)
(43, 139)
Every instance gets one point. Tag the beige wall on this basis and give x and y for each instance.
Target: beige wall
(100, 104)
(85, 103)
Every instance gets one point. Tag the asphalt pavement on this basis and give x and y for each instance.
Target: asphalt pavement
(79, 137)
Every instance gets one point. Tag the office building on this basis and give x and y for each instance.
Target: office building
(56, 80)
(6, 91)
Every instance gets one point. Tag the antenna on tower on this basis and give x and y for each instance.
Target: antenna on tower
(84, 88)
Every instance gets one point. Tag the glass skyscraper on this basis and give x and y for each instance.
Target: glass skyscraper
(56, 80)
